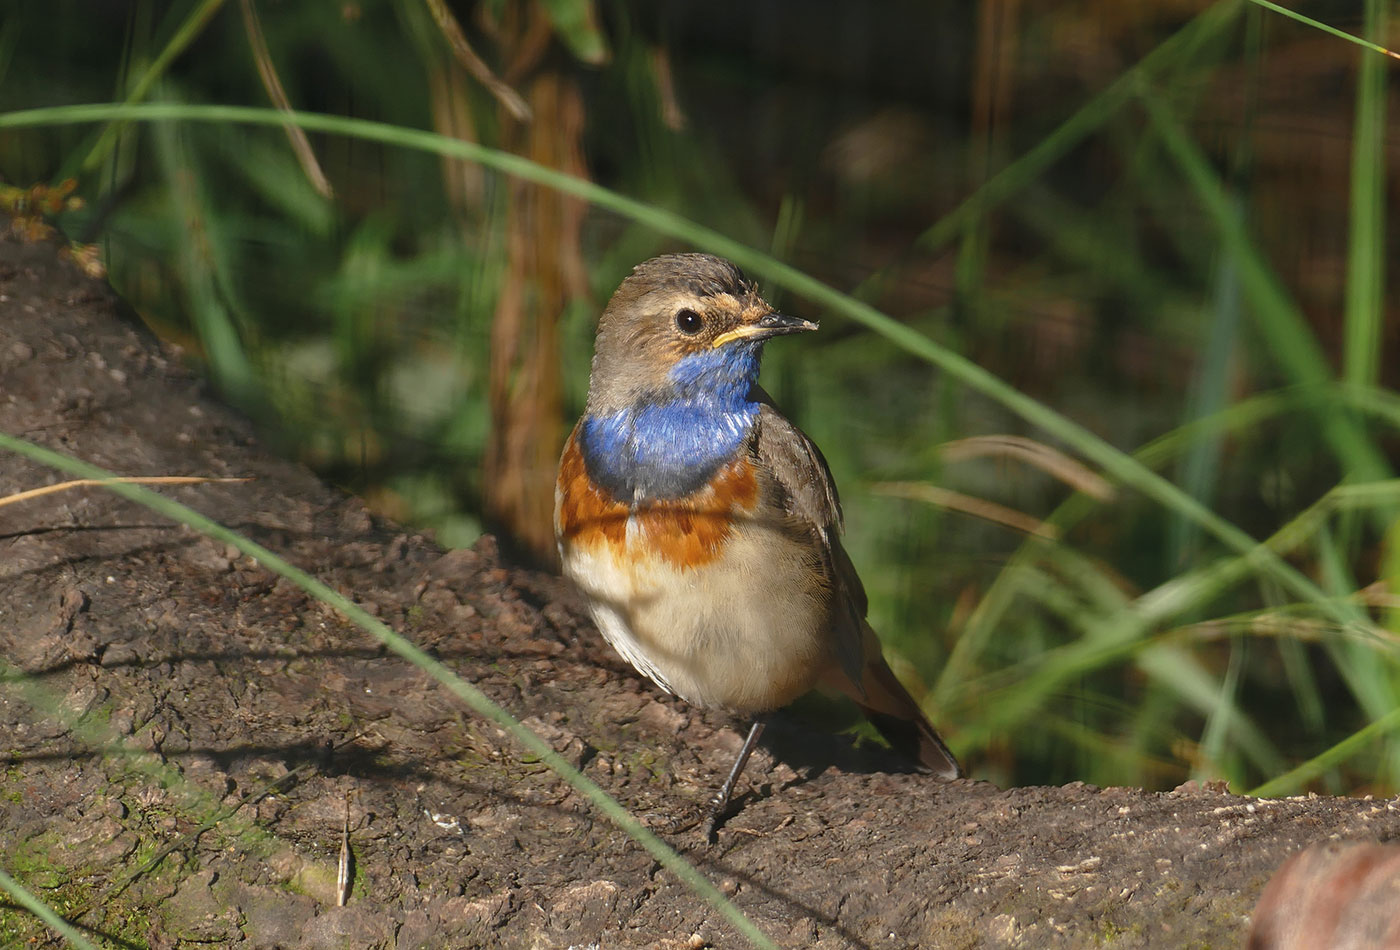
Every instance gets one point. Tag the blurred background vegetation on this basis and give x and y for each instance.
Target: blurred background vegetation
(1164, 221)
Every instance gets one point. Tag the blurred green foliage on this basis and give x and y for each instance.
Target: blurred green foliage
(1166, 222)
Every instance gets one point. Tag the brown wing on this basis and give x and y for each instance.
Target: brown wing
(810, 497)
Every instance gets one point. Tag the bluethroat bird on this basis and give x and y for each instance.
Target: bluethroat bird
(703, 526)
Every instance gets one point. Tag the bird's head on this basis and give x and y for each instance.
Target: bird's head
(680, 327)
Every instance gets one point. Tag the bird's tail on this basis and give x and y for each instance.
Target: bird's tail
(890, 708)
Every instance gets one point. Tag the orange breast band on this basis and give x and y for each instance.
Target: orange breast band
(683, 532)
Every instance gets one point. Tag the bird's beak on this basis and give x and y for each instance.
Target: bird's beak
(770, 324)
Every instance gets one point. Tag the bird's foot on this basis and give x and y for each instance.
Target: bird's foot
(689, 817)
(709, 816)
(718, 806)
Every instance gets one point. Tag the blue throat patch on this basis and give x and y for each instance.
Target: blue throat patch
(669, 445)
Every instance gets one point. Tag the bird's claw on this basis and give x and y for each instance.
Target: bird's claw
(676, 824)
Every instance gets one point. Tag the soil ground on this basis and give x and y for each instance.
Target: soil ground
(191, 732)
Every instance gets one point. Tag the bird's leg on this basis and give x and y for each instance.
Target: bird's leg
(721, 800)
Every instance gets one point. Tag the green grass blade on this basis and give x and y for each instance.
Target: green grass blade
(1295, 779)
(1023, 688)
(1183, 674)
(467, 693)
(202, 263)
(44, 912)
(1194, 589)
(995, 604)
(1365, 304)
(1279, 319)
(1214, 743)
(1210, 382)
(1076, 237)
(186, 34)
(1302, 681)
(1083, 123)
(576, 23)
(1340, 34)
(1373, 684)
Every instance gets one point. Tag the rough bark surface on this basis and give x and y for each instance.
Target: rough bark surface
(172, 682)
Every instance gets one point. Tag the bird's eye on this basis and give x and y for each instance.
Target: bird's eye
(688, 321)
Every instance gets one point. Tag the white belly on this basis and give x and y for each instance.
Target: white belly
(746, 631)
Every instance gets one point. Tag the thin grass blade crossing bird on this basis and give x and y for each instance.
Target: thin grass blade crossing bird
(703, 525)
